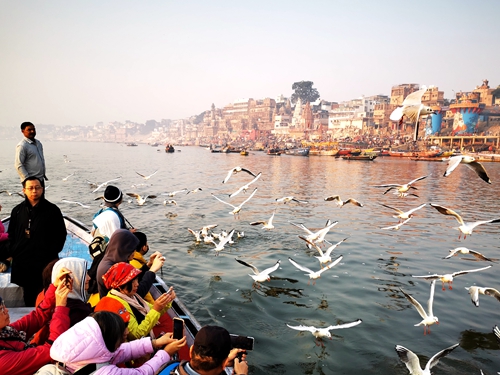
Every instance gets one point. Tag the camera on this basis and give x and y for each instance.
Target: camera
(242, 342)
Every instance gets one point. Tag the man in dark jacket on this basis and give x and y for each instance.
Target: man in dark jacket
(37, 234)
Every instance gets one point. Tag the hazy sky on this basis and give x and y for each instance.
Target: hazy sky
(80, 62)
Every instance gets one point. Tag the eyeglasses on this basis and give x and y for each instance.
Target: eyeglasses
(31, 188)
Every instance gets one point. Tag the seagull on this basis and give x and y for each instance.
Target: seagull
(194, 190)
(92, 184)
(404, 215)
(78, 203)
(319, 236)
(464, 250)
(397, 226)
(260, 277)
(240, 234)
(237, 170)
(147, 177)
(141, 200)
(324, 257)
(412, 362)
(319, 333)
(313, 275)
(470, 162)
(66, 178)
(496, 331)
(412, 108)
(245, 187)
(222, 242)
(475, 291)
(265, 224)
(341, 203)
(401, 188)
(206, 228)
(105, 184)
(172, 193)
(465, 228)
(428, 317)
(236, 209)
(197, 235)
(171, 201)
(290, 198)
(404, 195)
(11, 194)
(448, 277)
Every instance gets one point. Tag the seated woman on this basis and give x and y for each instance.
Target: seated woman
(17, 357)
(122, 280)
(99, 339)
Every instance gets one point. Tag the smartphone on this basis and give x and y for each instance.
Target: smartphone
(178, 328)
(242, 342)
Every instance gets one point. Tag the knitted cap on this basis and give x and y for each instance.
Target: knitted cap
(112, 194)
(112, 305)
(119, 274)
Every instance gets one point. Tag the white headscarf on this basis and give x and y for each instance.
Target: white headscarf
(78, 268)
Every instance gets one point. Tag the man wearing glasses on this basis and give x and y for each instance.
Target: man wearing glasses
(37, 234)
(29, 155)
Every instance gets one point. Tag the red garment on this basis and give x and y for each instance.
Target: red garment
(14, 360)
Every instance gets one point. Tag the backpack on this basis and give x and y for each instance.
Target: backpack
(168, 368)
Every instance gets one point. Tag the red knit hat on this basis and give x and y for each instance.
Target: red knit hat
(113, 305)
(119, 274)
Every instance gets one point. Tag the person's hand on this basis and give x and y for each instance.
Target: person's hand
(133, 230)
(163, 341)
(162, 301)
(234, 354)
(240, 367)
(157, 263)
(174, 346)
(152, 258)
(61, 276)
(61, 294)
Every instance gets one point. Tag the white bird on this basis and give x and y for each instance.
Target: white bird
(318, 236)
(285, 200)
(244, 188)
(412, 362)
(265, 224)
(140, 200)
(413, 109)
(260, 277)
(399, 225)
(66, 178)
(475, 291)
(341, 203)
(237, 170)
(194, 190)
(172, 193)
(222, 242)
(428, 317)
(236, 209)
(206, 228)
(78, 203)
(464, 228)
(401, 188)
(313, 275)
(105, 184)
(240, 234)
(147, 177)
(324, 257)
(496, 332)
(11, 194)
(470, 162)
(320, 333)
(448, 277)
(169, 201)
(91, 184)
(464, 250)
(402, 215)
(197, 235)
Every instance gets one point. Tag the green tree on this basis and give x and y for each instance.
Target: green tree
(305, 91)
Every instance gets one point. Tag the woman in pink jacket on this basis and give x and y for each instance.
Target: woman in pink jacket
(100, 339)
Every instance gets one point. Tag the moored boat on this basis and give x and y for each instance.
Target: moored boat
(414, 154)
(366, 157)
(244, 152)
(169, 148)
(301, 151)
(274, 151)
(131, 144)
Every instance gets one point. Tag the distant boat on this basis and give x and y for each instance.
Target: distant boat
(244, 152)
(274, 151)
(301, 151)
(131, 144)
(154, 144)
(169, 148)
(359, 157)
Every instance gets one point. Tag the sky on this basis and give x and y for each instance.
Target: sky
(82, 62)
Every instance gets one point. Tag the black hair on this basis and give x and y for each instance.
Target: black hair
(24, 125)
(47, 274)
(112, 328)
(199, 361)
(128, 285)
(143, 239)
(32, 178)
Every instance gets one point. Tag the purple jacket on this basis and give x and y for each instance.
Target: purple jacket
(83, 344)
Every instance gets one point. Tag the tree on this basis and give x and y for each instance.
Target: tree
(304, 91)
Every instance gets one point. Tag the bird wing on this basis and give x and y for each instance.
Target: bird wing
(446, 211)
(354, 201)
(141, 175)
(388, 185)
(415, 97)
(394, 187)
(226, 239)
(397, 226)
(392, 208)
(345, 325)
(134, 195)
(417, 117)
(452, 164)
(150, 196)
(467, 271)
(415, 180)
(267, 271)
(302, 268)
(416, 208)
(436, 357)
(152, 174)
(479, 169)
(431, 298)
(333, 198)
(229, 174)
(332, 264)
(114, 179)
(474, 295)
(238, 191)
(396, 114)
(452, 253)
(331, 248)
(270, 221)
(492, 292)
(249, 172)
(415, 303)
(250, 197)
(303, 328)
(258, 223)
(478, 255)
(299, 201)
(254, 269)
(496, 331)
(312, 244)
(409, 358)
(220, 200)
(302, 226)
(428, 277)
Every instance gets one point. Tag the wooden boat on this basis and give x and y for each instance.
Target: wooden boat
(274, 151)
(169, 148)
(244, 152)
(367, 157)
(349, 151)
(131, 144)
(414, 154)
(77, 241)
(423, 158)
(330, 152)
(302, 151)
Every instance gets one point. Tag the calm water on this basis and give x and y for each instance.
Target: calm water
(364, 285)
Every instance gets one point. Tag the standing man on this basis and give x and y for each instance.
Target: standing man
(29, 155)
(37, 234)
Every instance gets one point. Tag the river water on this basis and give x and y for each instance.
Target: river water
(364, 285)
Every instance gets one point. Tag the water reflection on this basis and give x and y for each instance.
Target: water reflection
(471, 340)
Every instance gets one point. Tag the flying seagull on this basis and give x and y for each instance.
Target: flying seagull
(260, 277)
(475, 291)
(78, 203)
(464, 250)
(11, 194)
(324, 257)
(341, 203)
(320, 333)
(412, 362)
(470, 162)
(428, 317)
(244, 188)
(399, 225)
(147, 177)
(313, 275)
(237, 170)
(236, 209)
(289, 199)
(402, 215)
(66, 178)
(401, 188)
(140, 199)
(172, 193)
(413, 109)
(105, 184)
(265, 224)
(448, 277)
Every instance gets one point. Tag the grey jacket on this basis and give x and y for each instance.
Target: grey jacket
(29, 159)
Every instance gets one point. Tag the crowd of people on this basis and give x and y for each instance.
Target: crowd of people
(94, 318)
